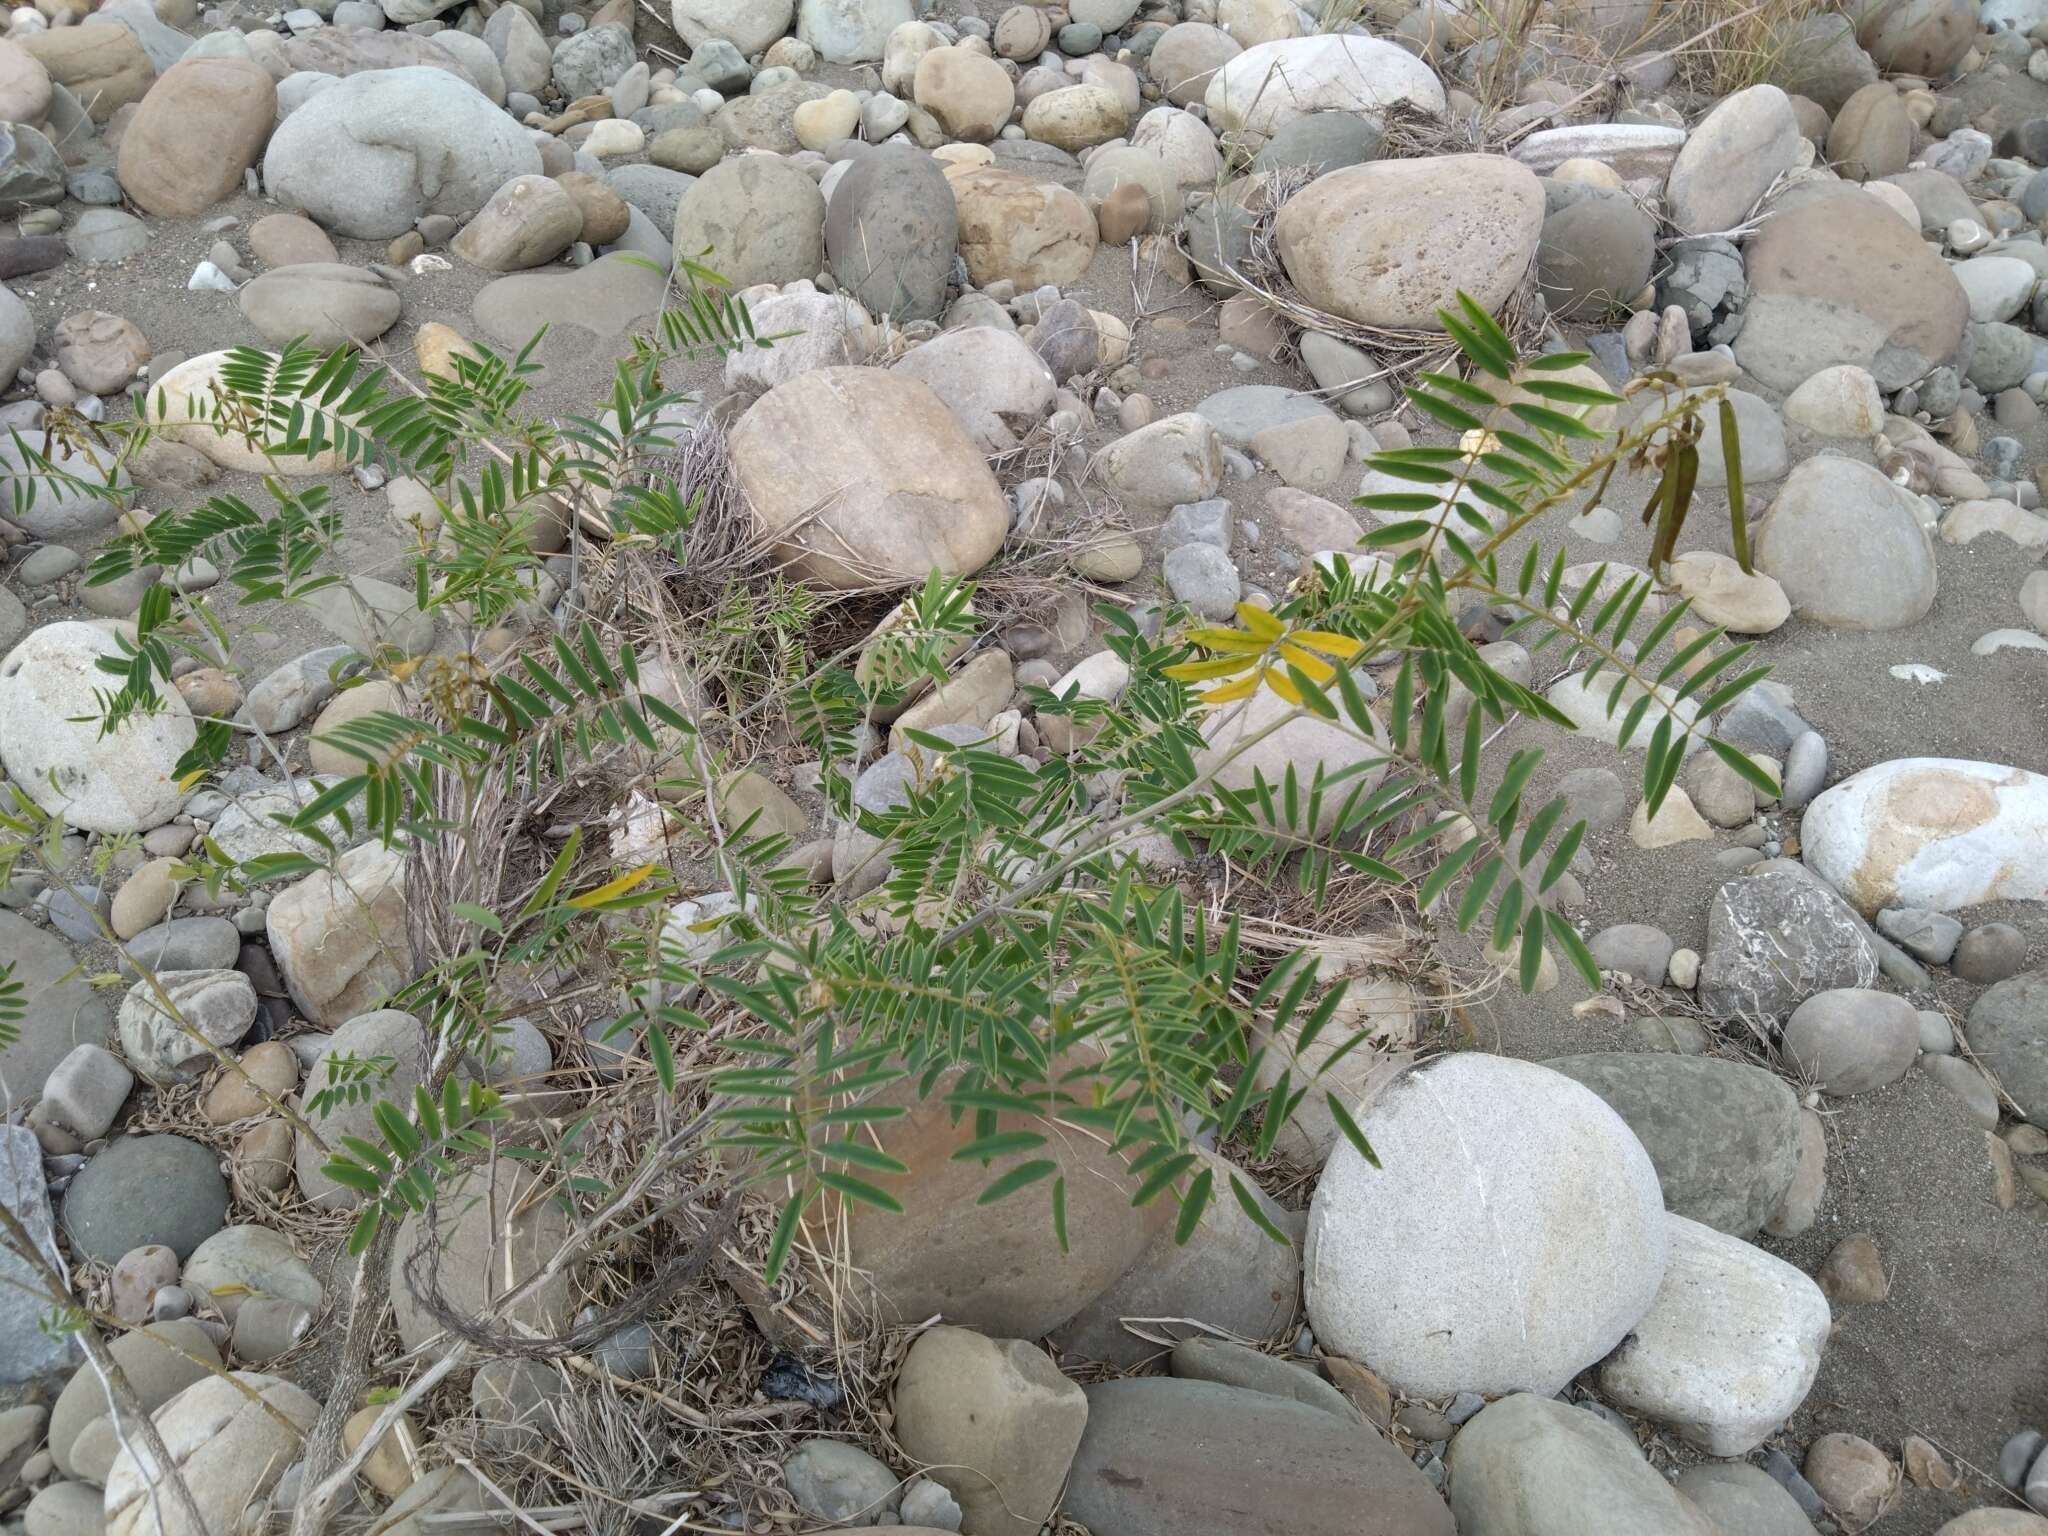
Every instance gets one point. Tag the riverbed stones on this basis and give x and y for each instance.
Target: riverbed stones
(340, 938)
(330, 304)
(1847, 547)
(2008, 1030)
(1528, 1465)
(1732, 159)
(1016, 227)
(146, 1189)
(1401, 1273)
(199, 128)
(753, 219)
(232, 1436)
(890, 232)
(1850, 1040)
(529, 221)
(494, 1233)
(1259, 91)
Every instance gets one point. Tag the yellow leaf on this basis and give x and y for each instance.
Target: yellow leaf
(1283, 685)
(1226, 640)
(1343, 647)
(1202, 671)
(610, 889)
(1259, 621)
(186, 781)
(1308, 661)
(403, 670)
(1229, 693)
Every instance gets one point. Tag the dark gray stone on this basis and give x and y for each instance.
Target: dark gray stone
(31, 171)
(1776, 938)
(2008, 1029)
(1235, 1365)
(1595, 255)
(1724, 1136)
(146, 1189)
(27, 1353)
(1705, 279)
(890, 233)
(1990, 953)
(1321, 142)
(62, 1011)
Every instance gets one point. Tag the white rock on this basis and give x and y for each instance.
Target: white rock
(1634, 151)
(1267, 87)
(1933, 832)
(231, 1447)
(1994, 641)
(1732, 159)
(1842, 401)
(817, 330)
(1309, 747)
(749, 25)
(190, 395)
(121, 782)
(1586, 706)
(990, 379)
(1728, 1350)
(1514, 1236)
(1998, 286)
(341, 941)
(1968, 521)
(1721, 593)
(218, 1006)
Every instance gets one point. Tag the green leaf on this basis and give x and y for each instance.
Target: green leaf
(785, 1234)
(1762, 782)
(860, 1190)
(1193, 1203)
(1249, 1204)
(1017, 1178)
(1350, 1129)
(482, 917)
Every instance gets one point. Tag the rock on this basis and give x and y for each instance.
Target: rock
(268, 1066)
(752, 220)
(99, 352)
(1894, 308)
(587, 63)
(967, 92)
(1732, 159)
(159, 1360)
(32, 173)
(1851, 1040)
(1261, 90)
(529, 221)
(1186, 58)
(1743, 1500)
(376, 617)
(1016, 228)
(850, 31)
(1872, 136)
(1229, 1274)
(145, 1189)
(990, 1266)
(217, 1005)
(1390, 243)
(749, 25)
(24, 86)
(1529, 1466)
(928, 501)
(1594, 254)
(840, 1483)
(329, 304)
(367, 158)
(1575, 1212)
(606, 216)
(1846, 545)
(1918, 37)
(1152, 1462)
(1990, 952)
(1723, 1136)
(1926, 936)
(1995, 1522)
(2008, 1029)
(1853, 1476)
(890, 232)
(1752, 604)
(105, 235)
(183, 405)
(1313, 751)
(230, 1435)
(588, 310)
(289, 695)
(493, 1235)
(1074, 117)
(200, 127)
(1853, 1273)
(341, 939)
(82, 1097)
(1842, 401)
(1931, 832)
(1198, 1358)
(64, 1509)
(27, 1352)
(120, 782)
(996, 1422)
(1173, 460)
(1998, 287)
(998, 388)
(655, 191)
(238, 1265)
(1728, 1350)
(377, 697)
(61, 1010)
(103, 65)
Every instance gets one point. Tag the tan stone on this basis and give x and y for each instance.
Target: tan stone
(970, 94)
(24, 86)
(1076, 117)
(528, 221)
(1676, 821)
(395, 1462)
(145, 898)
(604, 212)
(379, 696)
(262, 1159)
(271, 1068)
(199, 128)
(341, 939)
(1014, 226)
(102, 63)
(436, 346)
(974, 695)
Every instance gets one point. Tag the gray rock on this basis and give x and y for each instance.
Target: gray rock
(242, 1264)
(384, 1033)
(1594, 796)
(1320, 142)
(219, 1005)
(1531, 1466)
(1847, 546)
(890, 233)
(82, 1096)
(106, 235)
(183, 944)
(1241, 413)
(755, 219)
(146, 1189)
(1806, 771)
(77, 909)
(31, 171)
(2017, 1455)
(367, 158)
(1776, 938)
(2001, 356)
(592, 60)
(1743, 1501)
(1705, 279)
(27, 1353)
(290, 694)
(1205, 1359)
(1850, 1040)
(1923, 934)
(654, 191)
(374, 616)
(850, 31)
(1724, 1136)
(1635, 949)
(2008, 1030)
(1595, 255)
(1763, 720)
(1203, 577)
(62, 1011)
(1990, 952)
(159, 1360)
(1972, 1088)
(328, 303)
(840, 1483)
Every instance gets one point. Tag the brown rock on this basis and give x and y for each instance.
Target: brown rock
(1853, 1274)
(1926, 1467)
(99, 352)
(1123, 214)
(1871, 136)
(270, 1066)
(993, 1267)
(31, 253)
(1014, 226)
(144, 899)
(378, 696)
(102, 63)
(288, 239)
(528, 221)
(996, 1422)
(969, 93)
(262, 1159)
(604, 211)
(1853, 1477)
(199, 128)
(210, 692)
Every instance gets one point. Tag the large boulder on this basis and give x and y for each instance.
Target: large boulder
(753, 219)
(749, 25)
(160, 1361)
(184, 406)
(1165, 1457)
(990, 379)
(103, 64)
(1531, 1466)
(1391, 242)
(493, 1231)
(968, 93)
(1333, 768)
(1732, 159)
(232, 1436)
(1847, 546)
(329, 303)
(1187, 56)
(1843, 279)
(1775, 939)
(2008, 1029)
(1729, 1348)
(384, 1035)
(1917, 37)
(1935, 832)
(865, 478)
(1595, 254)
(50, 740)
(199, 128)
(851, 31)
(371, 156)
(341, 940)
(61, 1009)
(1723, 1135)
(997, 1267)
(890, 233)
(1016, 227)
(1405, 1262)
(1261, 90)
(143, 1190)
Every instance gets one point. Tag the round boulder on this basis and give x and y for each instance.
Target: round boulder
(890, 233)
(1186, 58)
(142, 1190)
(967, 92)
(1392, 242)
(753, 219)
(866, 479)
(1016, 227)
(1262, 89)
(1491, 1168)
(528, 221)
(199, 128)
(330, 304)
(1595, 254)
(990, 379)
(749, 25)
(1847, 546)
